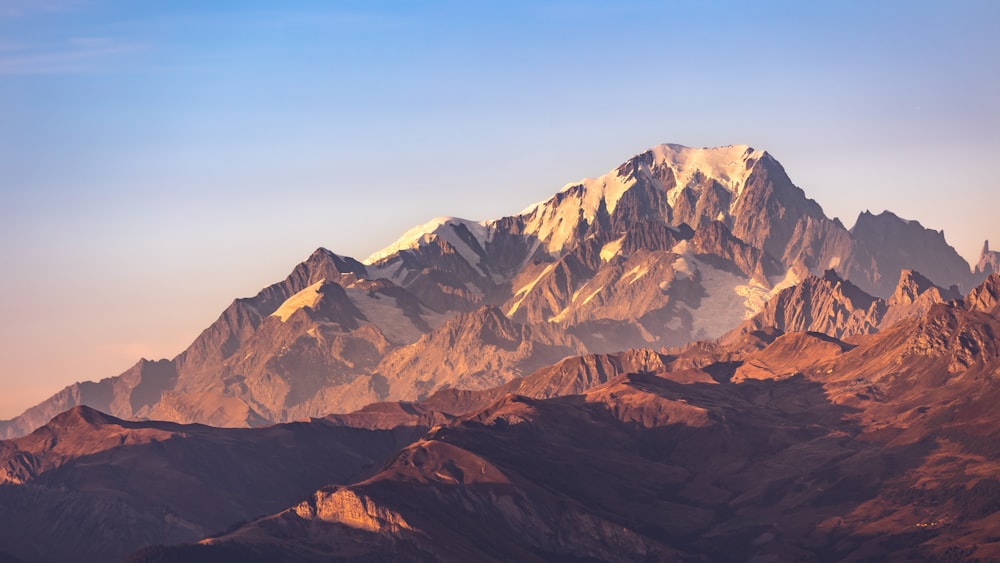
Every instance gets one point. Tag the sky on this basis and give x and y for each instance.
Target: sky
(159, 159)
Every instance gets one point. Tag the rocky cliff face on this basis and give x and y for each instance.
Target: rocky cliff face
(986, 297)
(838, 308)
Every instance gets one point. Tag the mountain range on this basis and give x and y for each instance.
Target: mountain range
(683, 359)
(675, 245)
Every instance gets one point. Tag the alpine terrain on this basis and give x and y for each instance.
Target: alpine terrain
(684, 359)
(676, 244)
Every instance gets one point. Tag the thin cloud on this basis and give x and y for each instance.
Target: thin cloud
(78, 55)
(22, 8)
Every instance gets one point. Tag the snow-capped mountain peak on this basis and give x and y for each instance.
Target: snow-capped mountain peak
(729, 165)
(554, 221)
(443, 227)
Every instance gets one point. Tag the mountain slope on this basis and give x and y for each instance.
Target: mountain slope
(815, 450)
(90, 487)
(838, 308)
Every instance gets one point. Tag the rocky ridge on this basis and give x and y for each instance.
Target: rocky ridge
(836, 307)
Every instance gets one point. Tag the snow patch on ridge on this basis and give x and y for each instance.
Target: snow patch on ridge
(440, 227)
(526, 289)
(383, 312)
(612, 249)
(730, 299)
(308, 297)
(635, 273)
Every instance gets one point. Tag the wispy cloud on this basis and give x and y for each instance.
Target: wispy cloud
(22, 8)
(77, 55)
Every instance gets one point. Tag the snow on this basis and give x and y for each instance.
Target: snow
(441, 227)
(681, 248)
(395, 272)
(730, 299)
(592, 295)
(308, 297)
(682, 268)
(610, 250)
(531, 208)
(727, 165)
(790, 278)
(554, 220)
(383, 312)
(635, 273)
(571, 307)
(526, 288)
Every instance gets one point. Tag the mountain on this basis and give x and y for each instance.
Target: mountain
(886, 244)
(675, 245)
(838, 308)
(90, 487)
(986, 297)
(687, 455)
(989, 261)
(800, 447)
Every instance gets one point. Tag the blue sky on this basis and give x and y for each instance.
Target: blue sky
(158, 159)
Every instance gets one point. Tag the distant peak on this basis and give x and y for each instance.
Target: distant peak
(341, 264)
(915, 277)
(413, 238)
(737, 148)
(81, 415)
(729, 165)
(871, 222)
(989, 260)
(323, 255)
(831, 276)
(710, 158)
(986, 296)
(912, 284)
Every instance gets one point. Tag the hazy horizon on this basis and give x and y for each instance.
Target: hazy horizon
(160, 160)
